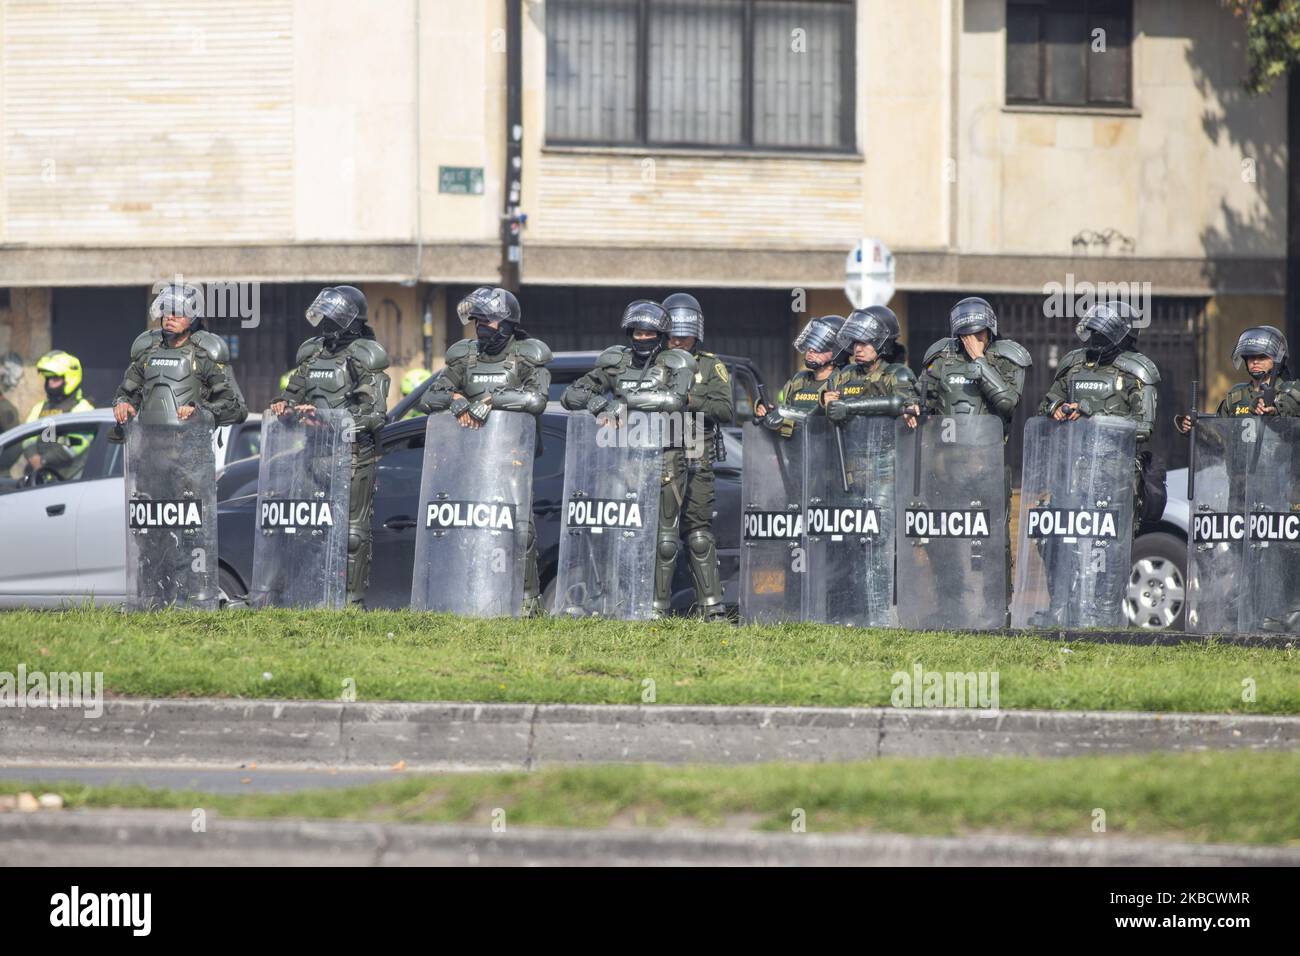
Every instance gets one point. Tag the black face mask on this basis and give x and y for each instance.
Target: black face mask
(53, 392)
(491, 341)
(643, 350)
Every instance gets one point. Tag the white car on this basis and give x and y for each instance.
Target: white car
(64, 540)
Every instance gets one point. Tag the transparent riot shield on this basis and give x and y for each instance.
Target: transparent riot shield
(849, 533)
(171, 512)
(772, 558)
(1076, 523)
(952, 525)
(1270, 587)
(1217, 541)
(612, 476)
(300, 548)
(476, 497)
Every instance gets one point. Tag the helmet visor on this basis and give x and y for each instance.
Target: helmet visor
(333, 305)
(815, 337)
(1261, 341)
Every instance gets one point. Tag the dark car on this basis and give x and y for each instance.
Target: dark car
(397, 491)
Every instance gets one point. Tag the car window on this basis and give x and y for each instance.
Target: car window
(245, 441)
(399, 469)
(550, 463)
(41, 456)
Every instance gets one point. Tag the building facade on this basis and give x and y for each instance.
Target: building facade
(733, 148)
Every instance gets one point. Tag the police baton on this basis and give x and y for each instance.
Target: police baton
(916, 450)
(839, 444)
(1194, 414)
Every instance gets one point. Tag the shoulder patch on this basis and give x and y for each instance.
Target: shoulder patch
(370, 353)
(143, 342)
(720, 368)
(308, 348)
(612, 357)
(214, 346)
(941, 346)
(1139, 366)
(533, 351)
(1011, 351)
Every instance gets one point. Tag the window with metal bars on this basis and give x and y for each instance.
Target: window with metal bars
(1070, 52)
(734, 74)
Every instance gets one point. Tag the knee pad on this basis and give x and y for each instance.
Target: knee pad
(356, 541)
(668, 548)
(700, 543)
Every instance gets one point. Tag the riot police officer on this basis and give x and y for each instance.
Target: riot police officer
(710, 399)
(802, 394)
(870, 384)
(502, 368)
(152, 384)
(1264, 350)
(647, 376)
(974, 371)
(1108, 376)
(344, 368)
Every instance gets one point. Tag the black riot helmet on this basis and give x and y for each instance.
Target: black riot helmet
(493, 304)
(876, 325)
(970, 315)
(341, 305)
(649, 317)
(819, 335)
(178, 299)
(1261, 340)
(685, 317)
(1107, 329)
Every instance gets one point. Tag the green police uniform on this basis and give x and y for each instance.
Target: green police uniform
(710, 397)
(518, 381)
(192, 373)
(349, 375)
(663, 385)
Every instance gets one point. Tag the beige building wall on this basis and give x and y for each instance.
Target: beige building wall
(1174, 174)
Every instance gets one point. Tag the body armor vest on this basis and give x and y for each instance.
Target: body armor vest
(957, 386)
(803, 393)
(485, 374)
(328, 380)
(1241, 398)
(629, 379)
(171, 379)
(1099, 389)
(857, 383)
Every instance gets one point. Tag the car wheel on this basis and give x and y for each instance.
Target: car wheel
(1157, 584)
(231, 589)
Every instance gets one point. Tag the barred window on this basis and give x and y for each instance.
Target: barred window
(762, 74)
(1070, 52)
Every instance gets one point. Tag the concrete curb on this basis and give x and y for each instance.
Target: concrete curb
(462, 735)
(150, 837)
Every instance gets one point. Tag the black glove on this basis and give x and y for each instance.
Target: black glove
(837, 411)
(459, 406)
(597, 404)
(479, 411)
(772, 420)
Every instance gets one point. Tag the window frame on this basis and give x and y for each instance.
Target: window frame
(1043, 6)
(848, 80)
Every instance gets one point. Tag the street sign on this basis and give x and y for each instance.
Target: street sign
(462, 180)
(869, 274)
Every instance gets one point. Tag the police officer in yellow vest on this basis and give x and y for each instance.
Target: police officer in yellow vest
(64, 457)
